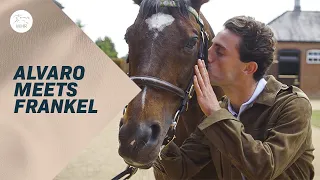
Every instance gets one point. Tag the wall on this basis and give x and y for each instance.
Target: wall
(309, 73)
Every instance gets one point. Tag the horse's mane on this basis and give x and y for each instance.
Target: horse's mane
(150, 7)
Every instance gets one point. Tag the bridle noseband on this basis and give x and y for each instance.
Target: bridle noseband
(185, 95)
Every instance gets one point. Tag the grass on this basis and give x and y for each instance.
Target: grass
(316, 118)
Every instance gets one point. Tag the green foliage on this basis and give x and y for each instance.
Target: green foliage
(107, 46)
(316, 118)
(79, 23)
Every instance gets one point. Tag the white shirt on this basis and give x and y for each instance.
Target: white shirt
(261, 85)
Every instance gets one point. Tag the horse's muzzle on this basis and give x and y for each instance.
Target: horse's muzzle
(139, 142)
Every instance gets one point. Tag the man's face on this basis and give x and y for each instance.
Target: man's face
(225, 67)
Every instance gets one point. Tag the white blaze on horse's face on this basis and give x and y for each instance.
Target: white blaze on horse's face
(159, 21)
(144, 96)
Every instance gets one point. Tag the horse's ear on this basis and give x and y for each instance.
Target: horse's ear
(137, 2)
(196, 4)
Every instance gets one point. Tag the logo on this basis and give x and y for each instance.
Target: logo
(21, 21)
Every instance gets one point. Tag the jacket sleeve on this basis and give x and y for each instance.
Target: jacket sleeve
(254, 158)
(185, 161)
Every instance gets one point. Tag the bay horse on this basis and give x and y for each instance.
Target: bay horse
(165, 42)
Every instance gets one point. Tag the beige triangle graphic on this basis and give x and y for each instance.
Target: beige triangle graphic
(37, 146)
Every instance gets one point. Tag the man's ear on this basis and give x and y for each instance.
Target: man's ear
(137, 2)
(250, 68)
(196, 4)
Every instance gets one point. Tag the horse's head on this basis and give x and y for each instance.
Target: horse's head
(164, 43)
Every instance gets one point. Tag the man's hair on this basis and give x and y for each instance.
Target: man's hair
(257, 42)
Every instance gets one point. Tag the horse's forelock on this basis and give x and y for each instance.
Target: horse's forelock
(150, 7)
(137, 1)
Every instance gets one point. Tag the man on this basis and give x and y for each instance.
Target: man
(260, 129)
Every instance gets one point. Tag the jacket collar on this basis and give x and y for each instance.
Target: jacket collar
(273, 87)
(267, 96)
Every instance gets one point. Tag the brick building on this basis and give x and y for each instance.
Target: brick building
(297, 59)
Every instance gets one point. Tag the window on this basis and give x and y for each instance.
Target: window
(289, 66)
(313, 56)
(288, 62)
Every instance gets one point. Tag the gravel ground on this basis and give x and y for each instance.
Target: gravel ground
(100, 160)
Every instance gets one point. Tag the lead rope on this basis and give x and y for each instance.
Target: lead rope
(129, 170)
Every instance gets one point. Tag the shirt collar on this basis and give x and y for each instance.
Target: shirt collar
(267, 96)
(259, 88)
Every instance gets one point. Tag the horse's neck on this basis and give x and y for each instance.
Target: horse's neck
(190, 119)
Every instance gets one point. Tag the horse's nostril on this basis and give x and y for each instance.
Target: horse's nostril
(155, 128)
(137, 136)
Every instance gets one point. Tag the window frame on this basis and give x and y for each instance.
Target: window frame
(316, 55)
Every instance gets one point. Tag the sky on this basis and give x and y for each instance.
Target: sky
(112, 17)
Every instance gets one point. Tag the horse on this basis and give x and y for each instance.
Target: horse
(165, 41)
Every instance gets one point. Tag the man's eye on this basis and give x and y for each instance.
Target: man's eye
(219, 53)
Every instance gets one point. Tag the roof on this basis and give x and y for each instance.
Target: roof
(297, 26)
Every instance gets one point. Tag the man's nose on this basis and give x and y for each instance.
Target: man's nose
(211, 54)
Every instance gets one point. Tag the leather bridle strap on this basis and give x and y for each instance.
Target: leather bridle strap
(157, 83)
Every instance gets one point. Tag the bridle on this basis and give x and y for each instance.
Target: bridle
(185, 95)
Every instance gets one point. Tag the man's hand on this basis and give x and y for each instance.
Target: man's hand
(206, 97)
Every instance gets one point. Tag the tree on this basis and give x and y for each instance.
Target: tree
(107, 46)
(79, 23)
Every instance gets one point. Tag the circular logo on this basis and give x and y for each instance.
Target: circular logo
(21, 21)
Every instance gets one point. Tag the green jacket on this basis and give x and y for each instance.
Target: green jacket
(272, 141)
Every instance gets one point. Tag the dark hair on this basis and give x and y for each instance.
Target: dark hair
(150, 7)
(257, 42)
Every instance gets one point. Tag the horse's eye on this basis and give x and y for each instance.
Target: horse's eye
(192, 42)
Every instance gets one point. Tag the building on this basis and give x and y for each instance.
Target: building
(297, 59)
